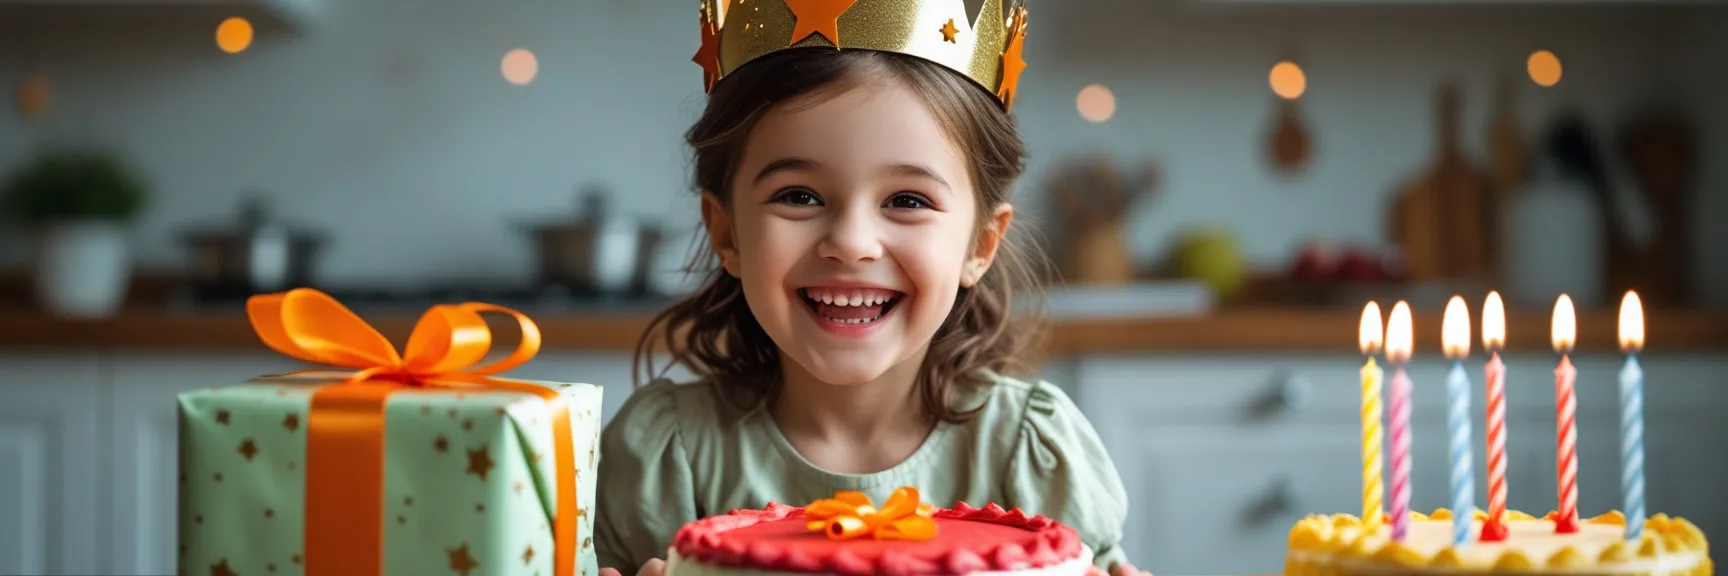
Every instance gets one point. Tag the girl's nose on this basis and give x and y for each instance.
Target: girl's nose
(851, 236)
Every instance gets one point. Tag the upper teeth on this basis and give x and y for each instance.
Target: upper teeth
(849, 296)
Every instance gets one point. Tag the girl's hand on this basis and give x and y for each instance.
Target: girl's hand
(655, 567)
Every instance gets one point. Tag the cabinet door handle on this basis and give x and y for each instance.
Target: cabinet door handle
(1275, 504)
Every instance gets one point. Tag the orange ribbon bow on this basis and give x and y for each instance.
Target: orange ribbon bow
(345, 429)
(850, 514)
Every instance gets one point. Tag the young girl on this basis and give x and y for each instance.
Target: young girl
(856, 333)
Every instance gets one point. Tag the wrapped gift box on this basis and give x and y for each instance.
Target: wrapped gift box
(277, 476)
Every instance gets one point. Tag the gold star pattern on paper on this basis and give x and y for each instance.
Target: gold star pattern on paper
(517, 487)
(425, 408)
(218, 477)
(708, 55)
(528, 554)
(948, 32)
(532, 455)
(198, 519)
(269, 512)
(221, 569)
(818, 17)
(1013, 60)
(290, 464)
(467, 425)
(460, 561)
(270, 567)
(222, 417)
(248, 448)
(480, 507)
(441, 444)
(409, 501)
(451, 413)
(182, 477)
(479, 463)
(291, 422)
(400, 519)
(295, 559)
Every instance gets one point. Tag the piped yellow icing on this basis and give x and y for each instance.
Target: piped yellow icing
(1342, 535)
(1614, 554)
(1512, 560)
(1611, 517)
(1568, 557)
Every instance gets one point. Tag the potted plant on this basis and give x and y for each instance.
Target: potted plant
(79, 204)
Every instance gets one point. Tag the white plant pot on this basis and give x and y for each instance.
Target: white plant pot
(83, 268)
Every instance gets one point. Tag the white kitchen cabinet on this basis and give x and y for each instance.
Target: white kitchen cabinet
(1221, 455)
(52, 415)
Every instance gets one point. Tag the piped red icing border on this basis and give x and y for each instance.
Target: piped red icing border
(1047, 543)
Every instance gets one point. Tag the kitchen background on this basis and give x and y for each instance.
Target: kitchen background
(1218, 238)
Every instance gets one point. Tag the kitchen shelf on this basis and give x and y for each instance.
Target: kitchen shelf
(1240, 330)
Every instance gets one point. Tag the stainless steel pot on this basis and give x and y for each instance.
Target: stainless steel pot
(260, 254)
(600, 253)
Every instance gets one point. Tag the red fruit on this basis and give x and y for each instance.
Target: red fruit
(1316, 262)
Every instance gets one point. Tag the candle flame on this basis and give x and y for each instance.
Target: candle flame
(1373, 331)
(1565, 325)
(1400, 333)
(1631, 323)
(1493, 322)
(1455, 329)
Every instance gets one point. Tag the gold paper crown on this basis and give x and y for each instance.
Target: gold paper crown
(989, 51)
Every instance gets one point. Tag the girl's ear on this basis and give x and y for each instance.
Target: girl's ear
(719, 225)
(989, 240)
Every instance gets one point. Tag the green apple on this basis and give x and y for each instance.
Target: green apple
(1210, 256)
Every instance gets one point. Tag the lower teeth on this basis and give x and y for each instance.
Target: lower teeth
(852, 320)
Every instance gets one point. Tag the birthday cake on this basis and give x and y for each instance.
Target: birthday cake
(1340, 545)
(848, 535)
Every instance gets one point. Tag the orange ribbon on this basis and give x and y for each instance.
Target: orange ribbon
(345, 429)
(850, 514)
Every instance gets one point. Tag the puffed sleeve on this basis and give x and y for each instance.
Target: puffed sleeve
(644, 489)
(1059, 468)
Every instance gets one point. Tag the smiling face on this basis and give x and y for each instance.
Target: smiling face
(852, 223)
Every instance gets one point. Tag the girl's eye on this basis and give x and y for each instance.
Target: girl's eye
(908, 201)
(798, 197)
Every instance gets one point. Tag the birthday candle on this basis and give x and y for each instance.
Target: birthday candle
(1370, 336)
(1493, 339)
(1565, 329)
(1399, 345)
(1632, 416)
(1455, 342)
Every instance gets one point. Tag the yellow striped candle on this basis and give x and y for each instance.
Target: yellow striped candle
(1372, 334)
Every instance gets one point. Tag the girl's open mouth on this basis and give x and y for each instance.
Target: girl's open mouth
(850, 306)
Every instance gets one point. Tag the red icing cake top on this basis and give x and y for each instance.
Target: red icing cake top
(968, 540)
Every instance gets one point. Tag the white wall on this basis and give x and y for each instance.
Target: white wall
(390, 126)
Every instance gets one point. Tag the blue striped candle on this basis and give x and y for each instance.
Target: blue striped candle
(1632, 417)
(1455, 342)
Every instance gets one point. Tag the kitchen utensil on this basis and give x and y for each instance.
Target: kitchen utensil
(1096, 197)
(1661, 151)
(1506, 147)
(598, 253)
(1290, 144)
(259, 254)
(1554, 233)
(1439, 220)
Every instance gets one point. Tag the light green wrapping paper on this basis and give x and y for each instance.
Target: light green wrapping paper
(469, 486)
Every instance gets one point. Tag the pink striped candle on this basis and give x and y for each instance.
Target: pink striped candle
(1399, 345)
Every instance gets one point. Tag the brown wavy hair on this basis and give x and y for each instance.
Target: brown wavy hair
(712, 331)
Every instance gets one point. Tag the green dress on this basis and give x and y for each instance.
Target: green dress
(675, 453)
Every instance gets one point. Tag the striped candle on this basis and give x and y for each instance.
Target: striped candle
(1565, 330)
(1370, 338)
(1632, 417)
(1493, 339)
(1455, 343)
(1399, 345)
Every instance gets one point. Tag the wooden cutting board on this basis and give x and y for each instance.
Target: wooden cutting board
(1440, 217)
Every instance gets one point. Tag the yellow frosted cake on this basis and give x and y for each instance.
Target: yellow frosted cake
(1338, 545)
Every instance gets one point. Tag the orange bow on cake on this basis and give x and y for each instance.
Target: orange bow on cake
(850, 514)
